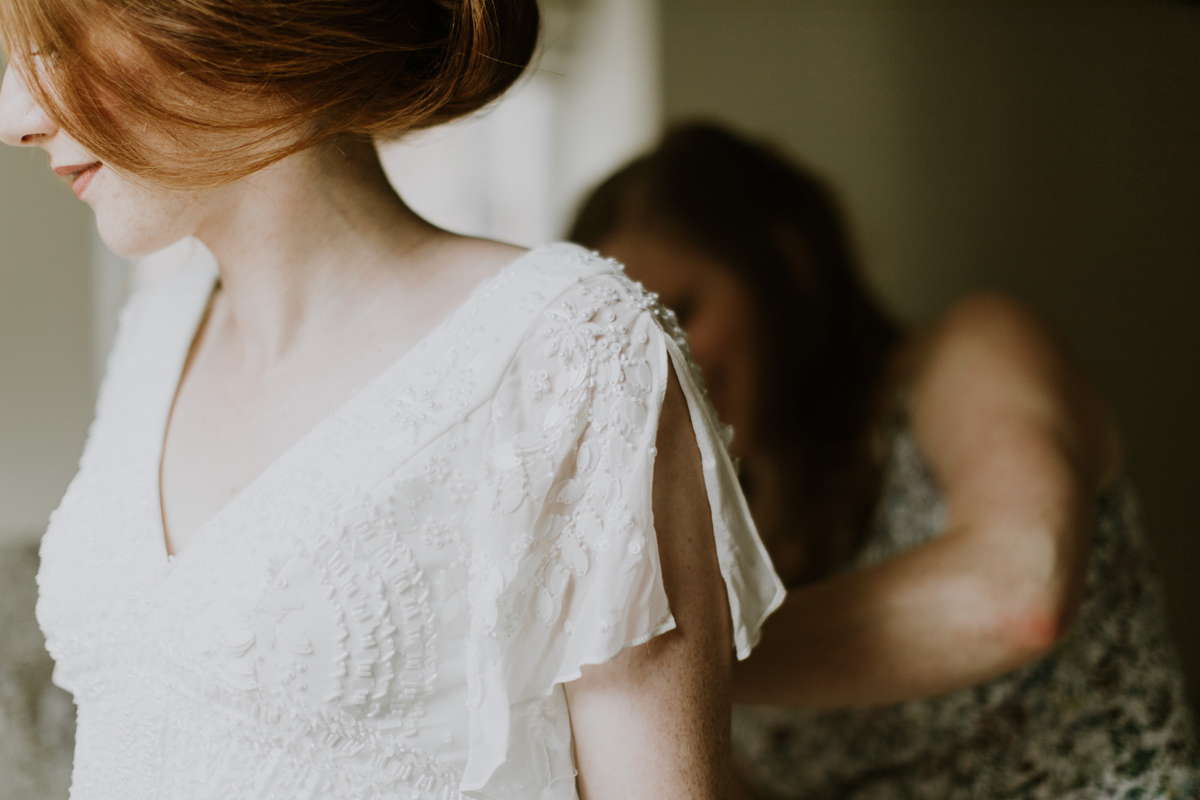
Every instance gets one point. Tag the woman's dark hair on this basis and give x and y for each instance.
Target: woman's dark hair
(157, 87)
(778, 227)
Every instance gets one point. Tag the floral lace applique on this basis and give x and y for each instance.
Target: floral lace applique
(388, 611)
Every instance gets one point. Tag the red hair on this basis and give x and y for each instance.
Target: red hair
(197, 93)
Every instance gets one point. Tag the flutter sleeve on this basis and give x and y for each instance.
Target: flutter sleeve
(565, 568)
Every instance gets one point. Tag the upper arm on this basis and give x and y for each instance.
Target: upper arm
(1020, 445)
(661, 710)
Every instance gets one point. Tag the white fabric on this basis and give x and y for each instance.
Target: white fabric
(390, 609)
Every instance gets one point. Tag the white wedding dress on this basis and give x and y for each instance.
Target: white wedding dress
(390, 609)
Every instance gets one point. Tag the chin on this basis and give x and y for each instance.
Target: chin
(132, 241)
(134, 220)
(124, 246)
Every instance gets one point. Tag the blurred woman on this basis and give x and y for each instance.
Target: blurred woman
(971, 611)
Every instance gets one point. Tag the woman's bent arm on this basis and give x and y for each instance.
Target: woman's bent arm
(1019, 447)
(654, 722)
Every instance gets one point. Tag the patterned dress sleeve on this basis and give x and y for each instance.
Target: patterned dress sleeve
(565, 569)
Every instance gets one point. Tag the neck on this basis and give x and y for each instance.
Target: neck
(300, 243)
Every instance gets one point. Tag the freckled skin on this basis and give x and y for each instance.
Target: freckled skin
(655, 721)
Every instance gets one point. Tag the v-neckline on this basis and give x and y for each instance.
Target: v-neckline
(175, 381)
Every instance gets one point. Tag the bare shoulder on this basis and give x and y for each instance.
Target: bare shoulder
(989, 340)
(991, 360)
(1000, 332)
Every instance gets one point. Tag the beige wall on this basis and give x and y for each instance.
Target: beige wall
(1050, 151)
(45, 340)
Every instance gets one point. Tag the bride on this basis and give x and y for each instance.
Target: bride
(368, 510)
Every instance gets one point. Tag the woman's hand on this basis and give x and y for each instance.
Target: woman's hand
(654, 722)
(1019, 447)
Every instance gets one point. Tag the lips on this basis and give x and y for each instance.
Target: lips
(81, 180)
(80, 174)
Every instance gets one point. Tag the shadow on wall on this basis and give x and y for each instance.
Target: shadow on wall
(1045, 151)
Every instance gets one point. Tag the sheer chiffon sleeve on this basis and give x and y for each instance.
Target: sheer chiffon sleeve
(565, 569)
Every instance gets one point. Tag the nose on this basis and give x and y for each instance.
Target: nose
(22, 120)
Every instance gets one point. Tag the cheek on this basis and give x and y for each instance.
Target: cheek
(724, 330)
(712, 343)
(726, 345)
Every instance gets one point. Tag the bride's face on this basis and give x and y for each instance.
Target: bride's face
(133, 218)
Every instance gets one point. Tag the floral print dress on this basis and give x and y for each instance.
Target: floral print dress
(1102, 716)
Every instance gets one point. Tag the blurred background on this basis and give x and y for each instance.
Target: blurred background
(1049, 149)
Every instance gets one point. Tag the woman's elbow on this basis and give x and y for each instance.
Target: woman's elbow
(1032, 626)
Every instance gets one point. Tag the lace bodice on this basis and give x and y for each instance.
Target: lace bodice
(390, 609)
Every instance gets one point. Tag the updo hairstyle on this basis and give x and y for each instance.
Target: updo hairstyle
(200, 93)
